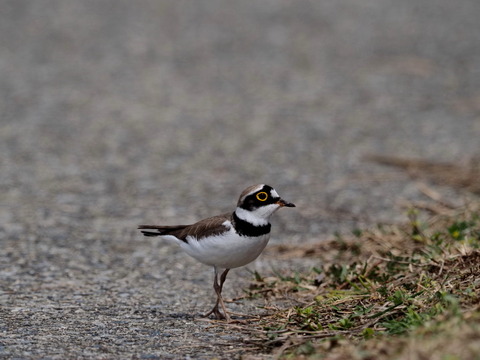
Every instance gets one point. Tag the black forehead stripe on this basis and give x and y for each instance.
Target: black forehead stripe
(267, 188)
(244, 228)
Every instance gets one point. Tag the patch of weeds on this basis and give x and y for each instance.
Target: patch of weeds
(384, 282)
(343, 324)
(368, 333)
(307, 318)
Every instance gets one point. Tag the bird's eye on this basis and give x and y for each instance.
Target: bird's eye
(262, 196)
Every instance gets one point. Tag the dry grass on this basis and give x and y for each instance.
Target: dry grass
(393, 292)
(398, 291)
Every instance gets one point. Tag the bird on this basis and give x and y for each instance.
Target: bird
(229, 240)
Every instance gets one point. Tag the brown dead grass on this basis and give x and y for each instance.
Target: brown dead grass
(408, 291)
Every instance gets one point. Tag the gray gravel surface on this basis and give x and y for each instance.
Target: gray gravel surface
(116, 113)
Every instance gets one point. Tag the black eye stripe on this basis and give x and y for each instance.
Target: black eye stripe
(260, 197)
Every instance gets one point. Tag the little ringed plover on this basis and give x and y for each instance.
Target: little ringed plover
(227, 241)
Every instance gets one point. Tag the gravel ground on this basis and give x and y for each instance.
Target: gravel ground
(116, 113)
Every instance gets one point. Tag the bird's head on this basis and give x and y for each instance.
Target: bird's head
(258, 202)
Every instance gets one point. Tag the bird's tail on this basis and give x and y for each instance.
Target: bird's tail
(150, 233)
(160, 229)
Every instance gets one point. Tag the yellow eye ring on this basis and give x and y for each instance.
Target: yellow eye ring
(262, 196)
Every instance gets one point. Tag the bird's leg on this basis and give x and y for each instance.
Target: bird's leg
(223, 277)
(216, 287)
(218, 290)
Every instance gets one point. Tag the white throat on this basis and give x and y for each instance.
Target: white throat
(257, 217)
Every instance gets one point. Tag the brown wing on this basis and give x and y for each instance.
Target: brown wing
(203, 228)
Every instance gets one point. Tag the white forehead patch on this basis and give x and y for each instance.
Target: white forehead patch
(274, 194)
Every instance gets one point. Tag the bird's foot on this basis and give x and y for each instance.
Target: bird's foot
(218, 315)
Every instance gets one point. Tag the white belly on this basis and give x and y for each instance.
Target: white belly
(227, 251)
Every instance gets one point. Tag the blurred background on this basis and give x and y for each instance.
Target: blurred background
(116, 113)
(166, 110)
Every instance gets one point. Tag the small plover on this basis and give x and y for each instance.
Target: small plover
(227, 241)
